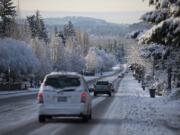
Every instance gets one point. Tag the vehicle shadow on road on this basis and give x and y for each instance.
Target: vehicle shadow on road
(77, 122)
(97, 121)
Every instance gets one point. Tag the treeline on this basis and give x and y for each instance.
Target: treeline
(162, 41)
(29, 50)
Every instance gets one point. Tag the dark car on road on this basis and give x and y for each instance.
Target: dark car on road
(103, 87)
(121, 75)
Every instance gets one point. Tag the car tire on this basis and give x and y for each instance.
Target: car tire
(90, 114)
(85, 118)
(42, 118)
(109, 94)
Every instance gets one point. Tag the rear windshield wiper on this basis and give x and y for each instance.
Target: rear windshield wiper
(65, 90)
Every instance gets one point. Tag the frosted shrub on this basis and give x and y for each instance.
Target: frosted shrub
(17, 57)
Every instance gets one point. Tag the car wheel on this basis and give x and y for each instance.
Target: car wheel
(90, 115)
(85, 118)
(42, 118)
(109, 94)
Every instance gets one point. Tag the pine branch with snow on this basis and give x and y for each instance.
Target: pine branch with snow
(167, 32)
(166, 18)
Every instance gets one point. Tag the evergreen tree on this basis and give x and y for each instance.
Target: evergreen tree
(166, 20)
(166, 31)
(61, 35)
(7, 13)
(69, 30)
(32, 24)
(67, 33)
(37, 26)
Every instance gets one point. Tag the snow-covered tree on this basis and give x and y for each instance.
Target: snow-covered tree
(17, 57)
(21, 31)
(57, 53)
(74, 56)
(83, 40)
(66, 58)
(166, 20)
(166, 31)
(37, 26)
(98, 59)
(112, 45)
(93, 61)
(68, 33)
(7, 13)
(154, 50)
(69, 30)
(42, 52)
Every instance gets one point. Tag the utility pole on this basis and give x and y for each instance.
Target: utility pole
(169, 79)
(153, 65)
(9, 75)
(19, 9)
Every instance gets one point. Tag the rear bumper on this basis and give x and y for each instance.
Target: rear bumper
(102, 92)
(63, 111)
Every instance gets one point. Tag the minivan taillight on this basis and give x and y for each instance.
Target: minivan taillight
(84, 97)
(40, 97)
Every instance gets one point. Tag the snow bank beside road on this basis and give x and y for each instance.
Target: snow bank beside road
(133, 112)
(143, 115)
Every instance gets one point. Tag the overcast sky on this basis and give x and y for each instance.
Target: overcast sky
(78, 7)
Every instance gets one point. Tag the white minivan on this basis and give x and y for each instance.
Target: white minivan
(64, 94)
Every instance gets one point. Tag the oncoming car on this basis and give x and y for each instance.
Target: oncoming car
(64, 94)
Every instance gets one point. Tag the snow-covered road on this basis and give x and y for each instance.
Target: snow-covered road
(21, 112)
(129, 112)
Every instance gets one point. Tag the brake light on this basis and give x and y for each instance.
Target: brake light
(83, 97)
(40, 97)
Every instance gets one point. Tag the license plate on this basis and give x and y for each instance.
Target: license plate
(62, 99)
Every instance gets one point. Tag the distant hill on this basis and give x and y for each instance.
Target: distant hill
(91, 25)
(141, 26)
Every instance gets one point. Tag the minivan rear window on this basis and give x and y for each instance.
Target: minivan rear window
(62, 81)
(102, 83)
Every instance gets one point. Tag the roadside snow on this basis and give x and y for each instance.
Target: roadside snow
(9, 94)
(133, 112)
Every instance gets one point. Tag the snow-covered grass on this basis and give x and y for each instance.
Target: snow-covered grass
(156, 116)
